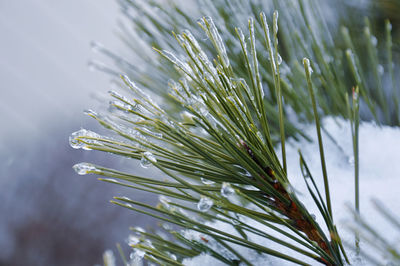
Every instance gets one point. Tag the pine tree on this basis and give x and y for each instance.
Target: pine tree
(214, 132)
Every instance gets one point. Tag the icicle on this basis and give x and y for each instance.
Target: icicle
(147, 159)
(204, 204)
(85, 168)
(227, 190)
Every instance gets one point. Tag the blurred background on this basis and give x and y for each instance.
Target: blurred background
(48, 214)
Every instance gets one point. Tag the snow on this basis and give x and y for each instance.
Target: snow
(379, 179)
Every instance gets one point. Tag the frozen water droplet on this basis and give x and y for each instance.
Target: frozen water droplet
(90, 112)
(77, 139)
(173, 256)
(152, 133)
(84, 168)
(243, 171)
(206, 181)
(132, 240)
(204, 204)
(125, 198)
(117, 105)
(139, 229)
(313, 216)
(279, 59)
(92, 66)
(147, 159)
(227, 190)
(307, 64)
(374, 40)
(351, 160)
(96, 46)
(110, 180)
(381, 70)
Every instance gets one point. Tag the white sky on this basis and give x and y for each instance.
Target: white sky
(44, 50)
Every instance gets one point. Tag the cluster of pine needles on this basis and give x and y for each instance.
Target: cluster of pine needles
(208, 113)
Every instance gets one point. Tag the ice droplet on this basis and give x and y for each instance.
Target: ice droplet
(121, 106)
(204, 204)
(243, 171)
(279, 59)
(110, 180)
(84, 168)
(152, 133)
(139, 229)
(306, 61)
(96, 46)
(147, 159)
(76, 143)
(173, 256)
(92, 66)
(227, 190)
(206, 181)
(125, 198)
(132, 240)
(351, 160)
(90, 112)
(313, 216)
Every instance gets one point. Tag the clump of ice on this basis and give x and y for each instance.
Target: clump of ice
(379, 179)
